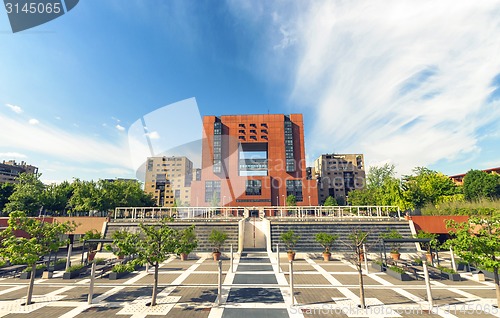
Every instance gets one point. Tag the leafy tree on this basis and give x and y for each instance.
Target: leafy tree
(157, 242)
(326, 240)
(6, 190)
(84, 194)
(477, 241)
(27, 195)
(187, 240)
(291, 200)
(56, 197)
(42, 238)
(433, 243)
(355, 242)
(124, 243)
(479, 184)
(427, 187)
(330, 201)
(377, 176)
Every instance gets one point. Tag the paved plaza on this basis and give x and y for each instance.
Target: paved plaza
(256, 287)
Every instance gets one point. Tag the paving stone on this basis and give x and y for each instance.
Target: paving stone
(254, 260)
(203, 278)
(99, 312)
(255, 268)
(180, 311)
(162, 279)
(254, 312)
(196, 295)
(264, 279)
(42, 312)
(318, 296)
(354, 279)
(255, 295)
(212, 267)
(305, 279)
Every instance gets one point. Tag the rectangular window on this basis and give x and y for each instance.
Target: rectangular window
(294, 187)
(212, 191)
(253, 187)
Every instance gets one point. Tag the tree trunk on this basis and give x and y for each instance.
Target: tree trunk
(32, 282)
(497, 285)
(361, 287)
(155, 285)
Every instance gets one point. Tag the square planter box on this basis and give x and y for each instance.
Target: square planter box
(451, 276)
(71, 275)
(115, 276)
(400, 276)
(378, 267)
(27, 275)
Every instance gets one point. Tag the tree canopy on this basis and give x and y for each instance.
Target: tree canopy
(479, 184)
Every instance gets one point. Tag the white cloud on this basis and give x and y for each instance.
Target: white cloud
(403, 81)
(153, 135)
(14, 108)
(9, 155)
(120, 128)
(58, 144)
(34, 121)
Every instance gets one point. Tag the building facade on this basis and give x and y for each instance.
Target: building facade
(458, 179)
(169, 179)
(337, 174)
(253, 160)
(10, 170)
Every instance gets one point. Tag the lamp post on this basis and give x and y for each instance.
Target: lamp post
(309, 200)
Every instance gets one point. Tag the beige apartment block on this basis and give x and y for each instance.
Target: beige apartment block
(10, 170)
(337, 174)
(169, 179)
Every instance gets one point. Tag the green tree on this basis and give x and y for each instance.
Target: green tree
(427, 187)
(84, 195)
(124, 243)
(330, 201)
(479, 184)
(56, 197)
(27, 195)
(157, 242)
(291, 200)
(477, 241)
(6, 190)
(43, 238)
(355, 242)
(377, 176)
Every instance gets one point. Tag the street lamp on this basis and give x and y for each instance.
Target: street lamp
(284, 200)
(309, 200)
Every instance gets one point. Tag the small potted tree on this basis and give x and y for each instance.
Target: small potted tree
(187, 242)
(217, 238)
(290, 239)
(326, 241)
(427, 246)
(91, 235)
(393, 234)
(124, 244)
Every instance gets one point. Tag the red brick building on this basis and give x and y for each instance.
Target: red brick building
(253, 160)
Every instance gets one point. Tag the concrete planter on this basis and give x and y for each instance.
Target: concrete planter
(27, 275)
(378, 267)
(115, 276)
(463, 267)
(451, 276)
(400, 276)
(71, 275)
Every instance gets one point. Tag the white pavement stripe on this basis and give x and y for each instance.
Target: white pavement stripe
(217, 311)
(285, 291)
(74, 312)
(11, 289)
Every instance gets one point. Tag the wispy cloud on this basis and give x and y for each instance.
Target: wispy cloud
(33, 121)
(9, 155)
(120, 128)
(56, 143)
(153, 135)
(404, 81)
(16, 109)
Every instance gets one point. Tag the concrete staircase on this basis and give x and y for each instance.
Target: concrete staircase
(202, 229)
(308, 230)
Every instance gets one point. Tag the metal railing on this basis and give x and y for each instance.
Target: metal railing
(273, 212)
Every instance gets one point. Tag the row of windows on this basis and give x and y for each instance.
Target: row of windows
(290, 162)
(252, 137)
(253, 125)
(217, 146)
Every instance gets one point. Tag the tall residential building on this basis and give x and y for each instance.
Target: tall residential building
(253, 160)
(337, 174)
(10, 170)
(169, 179)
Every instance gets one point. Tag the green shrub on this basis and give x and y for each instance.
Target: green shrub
(60, 261)
(121, 268)
(446, 270)
(397, 269)
(99, 261)
(38, 267)
(75, 268)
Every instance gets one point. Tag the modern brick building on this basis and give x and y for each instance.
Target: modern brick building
(253, 160)
(10, 170)
(168, 179)
(337, 174)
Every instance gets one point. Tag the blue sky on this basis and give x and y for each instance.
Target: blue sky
(412, 83)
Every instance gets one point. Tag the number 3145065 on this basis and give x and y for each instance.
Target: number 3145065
(33, 8)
